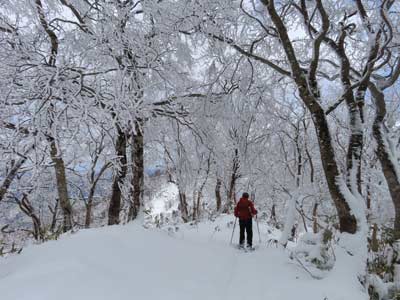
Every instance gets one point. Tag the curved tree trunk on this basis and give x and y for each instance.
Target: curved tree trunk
(62, 186)
(10, 176)
(56, 157)
(347, 221)
(27, 208)
(389, 166)
(309, 93)
(93, 180)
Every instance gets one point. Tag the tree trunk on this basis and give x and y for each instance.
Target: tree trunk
(137, 170)
(391, 176)
(309, 157)
(273, 213)
(194, 212)
(389, 166)
(315, 218)
(354, 153)
(116, 194)
(88, 215)
(374, 243)
(89, 206)
(309, 93)
(299, 161)
(62, 187)
(230, 201)
(93, 181)
(218, 197)
(54, 212)
(369, 200)
(196, 209)
(10, 176)
(355, 104)
(198, 204)
(347, 221)
(27, 208)
(183, 207)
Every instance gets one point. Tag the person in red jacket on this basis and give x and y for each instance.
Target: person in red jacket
(245, 211)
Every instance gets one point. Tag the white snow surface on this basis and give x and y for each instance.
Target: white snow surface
(196, 262)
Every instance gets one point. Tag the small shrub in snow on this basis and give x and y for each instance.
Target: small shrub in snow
(315, 250)
(382, 264)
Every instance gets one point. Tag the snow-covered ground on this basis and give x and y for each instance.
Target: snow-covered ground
(194, 262)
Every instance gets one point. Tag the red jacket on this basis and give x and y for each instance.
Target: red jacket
(244, 209)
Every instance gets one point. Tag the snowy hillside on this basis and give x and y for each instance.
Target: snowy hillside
(194, 262)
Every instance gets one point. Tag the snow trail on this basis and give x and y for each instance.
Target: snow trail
(130, 262)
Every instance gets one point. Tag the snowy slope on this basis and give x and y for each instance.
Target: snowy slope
(130, 262)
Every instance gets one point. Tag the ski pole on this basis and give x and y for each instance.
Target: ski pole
(233, 231)
(258, 229)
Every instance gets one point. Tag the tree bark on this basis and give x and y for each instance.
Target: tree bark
(385, 156)
(88, 214)
(54, 212)
(61, 182)
(183, 207)
(374, 243)
(197, 209)
(315, 218)
(119, 177)
(198, 204)
(10, 176)
(299, 161)
(218, 197)
(310, 160)
(89, 206)
(273, 214)
(27, 208)
(93, 180)
(355, 110)
(230, 201)
(137, 156)
(347, 221)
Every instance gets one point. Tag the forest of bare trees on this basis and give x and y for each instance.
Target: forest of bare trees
(295, 101)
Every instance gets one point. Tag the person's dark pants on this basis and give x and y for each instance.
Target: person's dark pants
(248, 226)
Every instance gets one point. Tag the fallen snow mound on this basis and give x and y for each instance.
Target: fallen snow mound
(194, 262)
